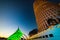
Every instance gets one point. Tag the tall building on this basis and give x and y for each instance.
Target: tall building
(46, 13)
(59, 4)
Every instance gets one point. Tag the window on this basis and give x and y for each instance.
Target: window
(59, 20)
(58, 13)
(46, 36)
(43, 36)
(21, 38)
(51, 35)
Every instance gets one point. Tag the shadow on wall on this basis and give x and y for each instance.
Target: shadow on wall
(33, 32)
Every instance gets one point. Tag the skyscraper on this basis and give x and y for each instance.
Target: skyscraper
(46, 13)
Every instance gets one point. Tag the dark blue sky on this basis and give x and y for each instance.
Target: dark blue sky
(14, 13)
(55, 1)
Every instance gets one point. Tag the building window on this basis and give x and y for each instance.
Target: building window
(58, 13)
(46, 36)
(50, 35)
(43, 36)
(59, 20)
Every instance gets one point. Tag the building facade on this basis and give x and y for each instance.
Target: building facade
(46, 13)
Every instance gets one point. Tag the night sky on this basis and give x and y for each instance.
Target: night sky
(14, 13)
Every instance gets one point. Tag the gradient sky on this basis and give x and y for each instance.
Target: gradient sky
(14, 13)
